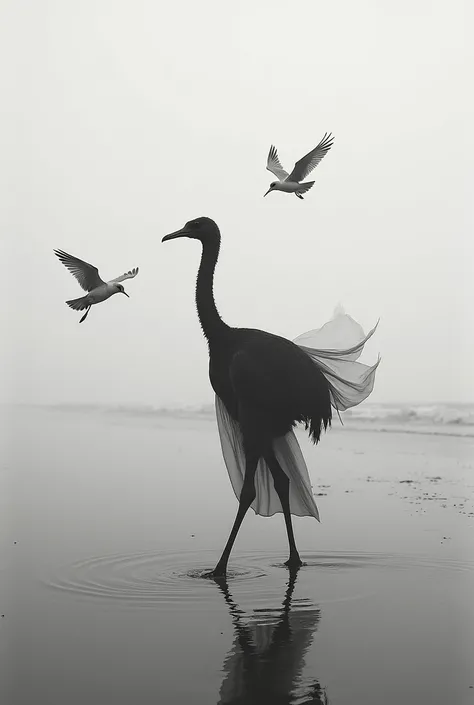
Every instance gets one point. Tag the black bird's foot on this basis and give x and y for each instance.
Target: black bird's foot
(294, 562)
(216, 574)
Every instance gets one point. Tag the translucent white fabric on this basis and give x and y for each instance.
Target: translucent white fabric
(334, 348)
(288, 454)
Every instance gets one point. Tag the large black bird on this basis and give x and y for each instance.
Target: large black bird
(264, 385)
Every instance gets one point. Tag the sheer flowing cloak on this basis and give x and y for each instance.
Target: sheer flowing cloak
(334, 348)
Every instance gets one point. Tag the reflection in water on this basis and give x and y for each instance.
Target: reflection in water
(267, 656)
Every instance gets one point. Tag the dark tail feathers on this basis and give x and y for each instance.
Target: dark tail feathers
(316, 424)
(78, 304)
(319, 416)
(304, 188)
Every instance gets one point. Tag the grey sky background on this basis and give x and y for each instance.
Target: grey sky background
(126, 119)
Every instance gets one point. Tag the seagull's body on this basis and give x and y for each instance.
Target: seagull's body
(294, 182)
(88, 277)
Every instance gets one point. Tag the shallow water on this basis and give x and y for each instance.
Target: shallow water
(112, 520)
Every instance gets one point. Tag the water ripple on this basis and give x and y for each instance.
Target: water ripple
(146, 578)
(176, 578)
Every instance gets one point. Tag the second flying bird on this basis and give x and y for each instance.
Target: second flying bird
(88, 277)
(291, 183)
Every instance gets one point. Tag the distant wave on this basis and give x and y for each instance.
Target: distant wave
(445, 419)
(426, 419)
(438, 414)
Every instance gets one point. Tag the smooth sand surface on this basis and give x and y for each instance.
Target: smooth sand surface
(110, 520)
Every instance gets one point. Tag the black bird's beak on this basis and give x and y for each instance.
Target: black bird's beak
(124, 292)
(265, 194)
(178, 233)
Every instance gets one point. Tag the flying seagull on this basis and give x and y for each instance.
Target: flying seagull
(291, 183)
(88, 277)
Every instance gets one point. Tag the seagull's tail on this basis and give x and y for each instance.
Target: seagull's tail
(78, 304)
(305, 186)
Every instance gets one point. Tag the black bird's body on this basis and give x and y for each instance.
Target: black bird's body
(268, 381)
(267, 384)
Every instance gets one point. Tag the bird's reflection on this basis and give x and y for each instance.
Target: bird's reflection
(267, 656)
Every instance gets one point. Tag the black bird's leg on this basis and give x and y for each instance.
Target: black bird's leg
(85, 315)
(247, 496)
(282, 487)
(298, 195)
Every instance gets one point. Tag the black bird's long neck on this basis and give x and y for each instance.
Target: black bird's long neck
(211, 323)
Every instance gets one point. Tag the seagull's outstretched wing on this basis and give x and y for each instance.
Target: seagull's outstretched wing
(306, 164)
(128, 275)
(273, 164)
(86, 274)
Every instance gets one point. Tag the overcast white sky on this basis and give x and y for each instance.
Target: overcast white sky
(127, 118)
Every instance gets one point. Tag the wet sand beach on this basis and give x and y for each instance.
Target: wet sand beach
(111, 518)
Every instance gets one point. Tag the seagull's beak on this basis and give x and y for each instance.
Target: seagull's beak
(178, 233)
(265, 194)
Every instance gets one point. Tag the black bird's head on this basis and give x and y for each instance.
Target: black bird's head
(203, 229)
